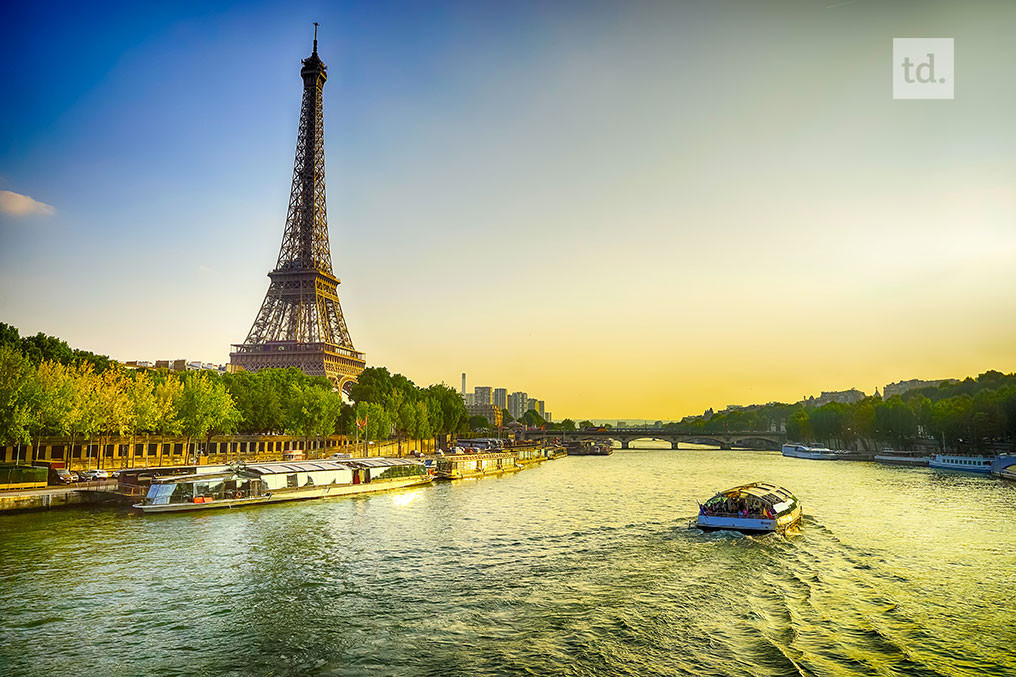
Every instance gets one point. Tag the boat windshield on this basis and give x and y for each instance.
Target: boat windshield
(200, 490)
(158, 494)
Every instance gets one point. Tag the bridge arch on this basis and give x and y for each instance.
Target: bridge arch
(628, 439)
(766, 442)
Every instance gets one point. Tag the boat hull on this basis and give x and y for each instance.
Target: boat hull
(889, 459)
(746, 524)
(212, 505)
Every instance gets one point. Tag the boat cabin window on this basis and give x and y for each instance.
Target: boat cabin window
(310, 481)
(291, 481)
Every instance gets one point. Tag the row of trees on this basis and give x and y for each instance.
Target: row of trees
(390, 404)
(974, 413)
(48, 389)
(77, 402)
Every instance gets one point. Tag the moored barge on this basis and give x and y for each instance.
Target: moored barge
(283, 481)
(462, 466)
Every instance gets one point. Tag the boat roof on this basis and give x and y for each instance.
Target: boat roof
(379, 462)
(193, 477)
(764, 491)
(317, 466)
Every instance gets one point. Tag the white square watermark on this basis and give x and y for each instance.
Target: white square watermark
(923, 68)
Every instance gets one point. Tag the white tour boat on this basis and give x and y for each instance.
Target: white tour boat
(286, 481)
(759, 506)
(815, 453)
(978, 464)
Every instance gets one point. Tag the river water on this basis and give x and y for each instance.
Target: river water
(583, 566)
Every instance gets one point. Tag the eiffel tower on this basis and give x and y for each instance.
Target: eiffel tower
(300, 323)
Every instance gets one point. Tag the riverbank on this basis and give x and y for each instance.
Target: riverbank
(80, 494)
(113, 492)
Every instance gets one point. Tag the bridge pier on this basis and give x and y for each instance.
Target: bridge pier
(624, 444)
(725, 446)
(673, 445)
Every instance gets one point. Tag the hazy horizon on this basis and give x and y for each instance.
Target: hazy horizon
(626, 210)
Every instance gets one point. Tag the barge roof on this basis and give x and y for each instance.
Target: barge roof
(764, 491)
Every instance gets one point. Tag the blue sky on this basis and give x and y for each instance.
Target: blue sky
(552, 197)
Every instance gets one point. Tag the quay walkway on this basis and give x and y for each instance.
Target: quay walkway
(57, 497)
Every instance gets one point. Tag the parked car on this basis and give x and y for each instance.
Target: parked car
(61, 476)
(75, 477)
(94, 474)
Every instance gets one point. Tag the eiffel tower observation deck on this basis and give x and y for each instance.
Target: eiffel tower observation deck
(300, 323)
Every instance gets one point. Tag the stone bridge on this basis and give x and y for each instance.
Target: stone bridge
(724, 440)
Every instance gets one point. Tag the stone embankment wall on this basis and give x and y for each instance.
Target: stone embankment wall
(116, 453)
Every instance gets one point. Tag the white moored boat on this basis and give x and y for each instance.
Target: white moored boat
(286, 481)
(820, 453)
(815, 453)
(978, 464)
(759, 506)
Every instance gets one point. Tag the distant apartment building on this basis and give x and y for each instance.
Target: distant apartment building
(501, 398)
(622, 424)
(488, 411)
(470, 399)
(463, 385)
(842, 396)
(531, 404)
(517, 404)
(549, 417)
(139, 364)
(541, 408)
(901, 387)
(483, 395)
(172, 365)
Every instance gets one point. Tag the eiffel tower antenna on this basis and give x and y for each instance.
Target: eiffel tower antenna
(300, 323)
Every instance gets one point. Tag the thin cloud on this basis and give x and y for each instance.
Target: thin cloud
(16, 204)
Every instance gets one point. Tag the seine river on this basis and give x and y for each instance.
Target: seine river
(583, 566)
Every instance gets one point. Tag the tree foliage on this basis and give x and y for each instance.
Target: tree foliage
(974, 413)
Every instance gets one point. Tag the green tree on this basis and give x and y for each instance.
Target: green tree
(830, 422)
(533, 418)
(799, 426)
(378, 424)
(568, 425)
(479, 423)
(895, 422)
(16, 373)
(51, 398)
(168, 394)
(205, 408)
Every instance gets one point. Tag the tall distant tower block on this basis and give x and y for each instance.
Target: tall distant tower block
(300, 323)
(463, 384)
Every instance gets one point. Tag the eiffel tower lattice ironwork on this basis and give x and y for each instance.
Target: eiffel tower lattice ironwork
(300, 323)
